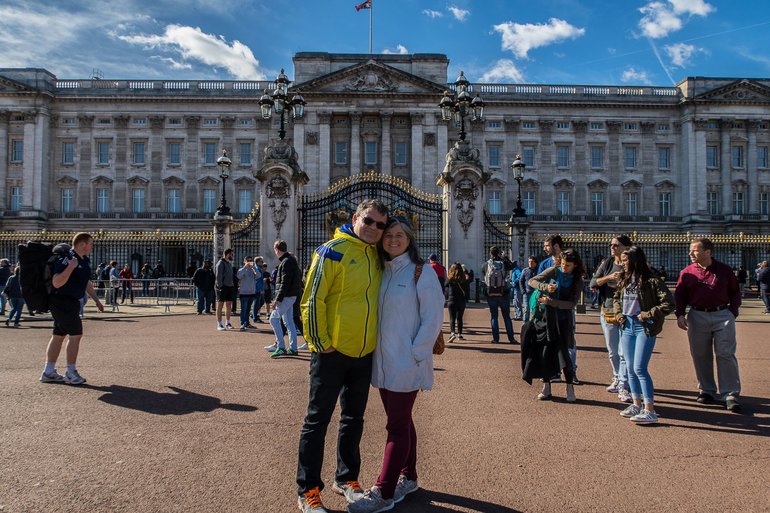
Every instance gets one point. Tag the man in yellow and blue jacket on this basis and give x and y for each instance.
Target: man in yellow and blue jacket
(339, 315)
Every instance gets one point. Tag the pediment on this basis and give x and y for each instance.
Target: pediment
(495, 182)
(744, 90)
(665, 184)
(244, 181)
(740, 183)
(564, 184)
(631, 184)
(598, 184)
(137, 181)
(173, 181)
(67, 180)
(102, 180)
(11, 86)
(530, 183)
(369, 78)
(207, 180)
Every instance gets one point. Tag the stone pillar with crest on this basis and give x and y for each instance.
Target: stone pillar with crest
(463, 179)
(282, 182)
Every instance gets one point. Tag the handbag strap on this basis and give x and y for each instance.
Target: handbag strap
(417, 272)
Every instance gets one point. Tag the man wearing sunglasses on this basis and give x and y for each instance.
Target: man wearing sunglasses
(339, 315)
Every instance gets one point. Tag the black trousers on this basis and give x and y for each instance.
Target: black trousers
(333, 375)
(456, 312)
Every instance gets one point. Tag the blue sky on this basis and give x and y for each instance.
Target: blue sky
(600, 42)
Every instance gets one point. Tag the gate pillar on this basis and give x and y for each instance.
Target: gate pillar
(282, 181)
(223, 225)
(463, 180)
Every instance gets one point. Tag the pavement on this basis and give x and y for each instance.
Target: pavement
(177, 417)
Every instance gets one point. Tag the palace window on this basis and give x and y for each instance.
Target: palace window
(140, 121)
(102, 200)
(245, 154)
(528, 201)
(712, 203)
(493, 153)
(16, 194)
(562, 156)
(597, 203)
(173, 201)
(563, 125)
(528, 156)
(597, 126)
(17, 150)
(209, 200)
(67, 200)
(712, 156)
(494, 124)
(245, 203)
(632, 203)
(664, 204)
(528, 124)
(764, 203)
(738, 203)
(370, 153)
(631, 126)
(68, 153)
(597, 157)
(174, 153)
(629, 154)
(139, 153)
(103, 150)
(761, 156)
(493, 203)
(562, 203)
(341, 153)
(737, 156)
(664, 158)
(137, 200)
(210, 153)
(400, 154)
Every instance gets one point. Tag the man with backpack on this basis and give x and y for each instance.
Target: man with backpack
(70, 281)
(497, 278)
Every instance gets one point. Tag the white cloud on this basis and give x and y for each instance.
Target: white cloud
(521, 38)
(400, 49)
(681, 53)
(639, 77)
(191, 43)
(432, 14)
(697, 7)
(173, 64)
(459, 14)
(661, 18)
(504, 70)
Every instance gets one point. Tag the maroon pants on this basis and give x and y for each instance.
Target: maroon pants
(401, 446)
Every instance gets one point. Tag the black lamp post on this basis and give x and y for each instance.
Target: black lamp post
(279, 102)
(519, 218)
(224, 164)
(462, 105)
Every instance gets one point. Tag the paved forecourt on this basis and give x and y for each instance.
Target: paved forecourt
(177, 417)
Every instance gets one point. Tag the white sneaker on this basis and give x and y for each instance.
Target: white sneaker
(371, 502)
(220, 327)
(229, 326)
(303, 347)
(452, 336)
(73, 378)
(404, 487)
(630, 412)
(613, 388)
(645, 417)
(271, 348)
(624, 396)
(351, 490)
(52, 377)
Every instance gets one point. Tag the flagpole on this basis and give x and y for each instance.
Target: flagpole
(371, 11)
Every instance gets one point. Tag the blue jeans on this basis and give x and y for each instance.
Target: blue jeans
(17, 305)
(525, 307)
(617, 360)
(504, 304)
(246, 302)
(285, 311)
(204, 299)
(637, 349)
(2, 299)
(517, 298)
(259, 301)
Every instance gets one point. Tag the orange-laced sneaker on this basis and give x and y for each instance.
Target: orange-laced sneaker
(310, 502)
(351, 490)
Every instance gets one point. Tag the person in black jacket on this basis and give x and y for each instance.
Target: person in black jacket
(288, 287)
(12, 289)
(204, 280)
(456, 299)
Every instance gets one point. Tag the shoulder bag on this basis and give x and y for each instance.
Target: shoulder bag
(438, 345)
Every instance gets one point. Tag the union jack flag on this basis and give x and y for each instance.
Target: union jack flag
(365, 5)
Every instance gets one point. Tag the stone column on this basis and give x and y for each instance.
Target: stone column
(222, 234)
(120, 200)
(355, 143)
(419, 178)
(282, 182)
(615, 162)
(725, 165)
(155, 147)
(3, 159)
(386, 166)
(697, 185)
(86, 162)
(324, 157)
(752, 174)
(31, 181)
(192, 164)
(463, 180)
(581, 168)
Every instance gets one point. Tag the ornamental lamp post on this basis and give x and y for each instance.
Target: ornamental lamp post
(461, 106)
(224, 164)
(519, 218)
(279, 102)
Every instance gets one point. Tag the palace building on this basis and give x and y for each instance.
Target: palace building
(136, 154)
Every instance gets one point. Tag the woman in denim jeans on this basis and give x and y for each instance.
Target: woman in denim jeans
(641, 304)
(605, 280)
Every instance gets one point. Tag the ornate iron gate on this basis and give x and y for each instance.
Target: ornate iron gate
(494, 235)
(245, 237)
(320, 214)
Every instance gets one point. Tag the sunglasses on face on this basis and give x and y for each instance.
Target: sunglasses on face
(368, 221)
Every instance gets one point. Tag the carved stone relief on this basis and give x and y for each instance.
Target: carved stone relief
(370, 81)
(466, 192)
(429, 139)
(311, 138)
(278, 190)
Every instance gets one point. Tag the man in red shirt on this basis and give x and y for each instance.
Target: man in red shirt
(711, 290)
(440, 269)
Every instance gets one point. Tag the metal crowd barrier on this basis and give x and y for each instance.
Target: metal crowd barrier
(165, 292)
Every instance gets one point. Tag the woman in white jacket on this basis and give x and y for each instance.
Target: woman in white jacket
(410, 317)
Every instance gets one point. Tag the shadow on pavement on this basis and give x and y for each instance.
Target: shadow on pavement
(506, 349)
(428, 501)
(181, 402)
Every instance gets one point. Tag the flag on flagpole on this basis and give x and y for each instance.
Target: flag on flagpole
(365, 5)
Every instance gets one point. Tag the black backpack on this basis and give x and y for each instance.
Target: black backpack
(36, 272)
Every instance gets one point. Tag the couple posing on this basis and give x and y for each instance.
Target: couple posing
(369, 319)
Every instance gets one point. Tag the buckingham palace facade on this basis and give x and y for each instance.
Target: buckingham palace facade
(136, 154)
